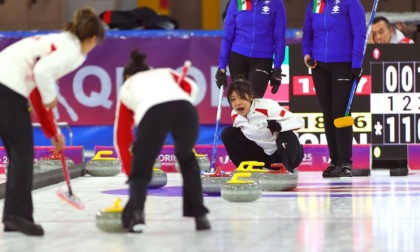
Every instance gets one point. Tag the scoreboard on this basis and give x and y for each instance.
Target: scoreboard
(394, 102)
(386, 107)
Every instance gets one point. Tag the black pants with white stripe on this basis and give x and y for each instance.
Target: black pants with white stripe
(17, 136)
(240, 148)
(256, 70)
(179, 118)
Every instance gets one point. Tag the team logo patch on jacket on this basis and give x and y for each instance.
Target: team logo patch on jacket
(265, 10)
(319, 6)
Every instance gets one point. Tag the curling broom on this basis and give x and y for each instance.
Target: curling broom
(347, 120)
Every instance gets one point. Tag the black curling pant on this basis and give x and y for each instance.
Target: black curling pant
(17, 135)
(179, 118)
(333, 89)
(256, 70)
(240, 148)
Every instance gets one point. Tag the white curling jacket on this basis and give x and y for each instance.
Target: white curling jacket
(138, 94)
(39, 61)
(254, 125)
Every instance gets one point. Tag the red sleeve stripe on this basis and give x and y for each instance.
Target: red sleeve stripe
(124, 136)
(262, 111)
(234, 117)
(282, 113)
(45, 117)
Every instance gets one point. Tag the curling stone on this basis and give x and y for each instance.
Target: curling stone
(278, 180)
(159, 178)
(52, 162)
(212, 183)
(37, 168)
(157, 164)
(241, 190)
(202, 159)
(254, 167)
(109, 219)
(100, 166)
(399, 172)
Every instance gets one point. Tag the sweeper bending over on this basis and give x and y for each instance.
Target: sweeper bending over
(262, 130)
(30, 68)
(157, 102)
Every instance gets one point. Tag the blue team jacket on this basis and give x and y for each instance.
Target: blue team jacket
(256, 33)
(337, 34)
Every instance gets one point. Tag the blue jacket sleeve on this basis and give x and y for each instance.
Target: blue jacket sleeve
(279, 34)
(308, 33)
(358, 30)
(229, 34)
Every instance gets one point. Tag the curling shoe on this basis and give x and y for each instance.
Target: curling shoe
(16, 223)
(202, 223)
(332, 171)
(136, 223)
(346, 170)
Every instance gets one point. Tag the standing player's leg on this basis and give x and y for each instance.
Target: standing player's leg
(185, 133)
(259, 75)
(150, 137)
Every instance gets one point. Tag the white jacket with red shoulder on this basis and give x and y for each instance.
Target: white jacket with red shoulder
(39, 61)
(254, 125)
(31, 66)
(137, 95)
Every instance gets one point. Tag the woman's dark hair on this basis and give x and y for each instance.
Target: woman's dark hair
(137, 64)
(241, 86)
(86, 24)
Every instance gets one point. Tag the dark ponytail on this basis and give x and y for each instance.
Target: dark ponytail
(137, 64)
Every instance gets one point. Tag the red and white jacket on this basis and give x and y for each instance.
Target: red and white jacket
(33, 64)
(399, 38)
(139, 93)
(254, 125)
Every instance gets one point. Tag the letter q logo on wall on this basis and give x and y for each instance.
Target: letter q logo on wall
(94, 99)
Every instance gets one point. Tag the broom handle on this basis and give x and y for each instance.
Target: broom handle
(66, 172)
(216, 132)
(353, 88)
(185, 68)
(63, 160)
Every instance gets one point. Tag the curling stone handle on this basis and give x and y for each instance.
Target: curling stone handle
(116, 207)
(235, 180)
(279, 165)
(198, 155)
(103, 152)
(250, 165)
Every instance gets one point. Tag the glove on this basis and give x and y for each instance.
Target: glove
(356, 74)
(273, 126)
(221, 78)
(275, 79)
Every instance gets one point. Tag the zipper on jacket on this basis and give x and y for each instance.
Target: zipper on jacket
(326, 30)
(253, 29)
